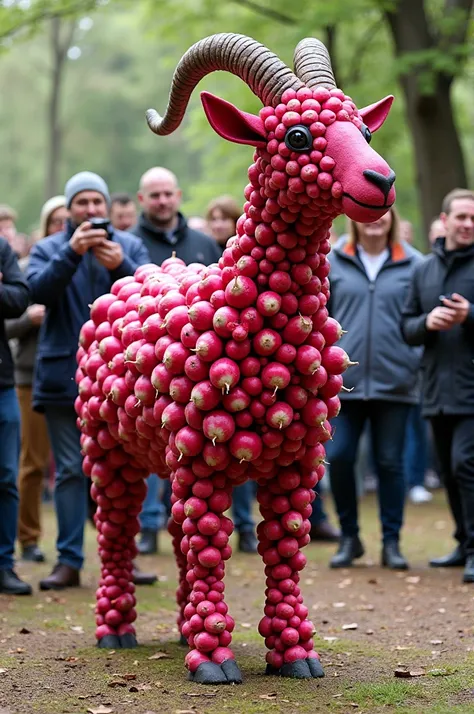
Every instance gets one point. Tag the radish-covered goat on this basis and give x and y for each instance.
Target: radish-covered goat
(214, 375)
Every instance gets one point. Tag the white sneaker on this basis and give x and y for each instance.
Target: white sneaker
(419, 494)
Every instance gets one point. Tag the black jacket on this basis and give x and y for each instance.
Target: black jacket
(14, 299)
(448, 359)
(188, 244)
(370, 312)
(67, 284)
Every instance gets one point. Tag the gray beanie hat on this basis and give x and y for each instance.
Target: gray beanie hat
(85, 181)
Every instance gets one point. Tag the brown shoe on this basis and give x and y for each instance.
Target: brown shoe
(62, 576)
(325, 531)
(140, 578)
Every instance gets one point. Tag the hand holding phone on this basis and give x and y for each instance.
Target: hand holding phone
(458, 305)
(103, 223)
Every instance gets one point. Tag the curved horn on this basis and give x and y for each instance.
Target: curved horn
(313, 65)
(266, 75)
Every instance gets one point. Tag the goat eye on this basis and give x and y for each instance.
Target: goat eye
(366, 133)
(298, 138)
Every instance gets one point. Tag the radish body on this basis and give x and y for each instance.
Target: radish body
(214, 375)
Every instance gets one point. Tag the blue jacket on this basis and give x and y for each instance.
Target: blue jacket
(388, 368)
(67, 284)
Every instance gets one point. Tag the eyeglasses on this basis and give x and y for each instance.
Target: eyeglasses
(56, 221)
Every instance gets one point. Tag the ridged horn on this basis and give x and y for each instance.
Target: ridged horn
(266, 75)
(313, 65)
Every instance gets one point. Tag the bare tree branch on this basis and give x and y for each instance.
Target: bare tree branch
(363, 46)
(37, 16)
(266, 12)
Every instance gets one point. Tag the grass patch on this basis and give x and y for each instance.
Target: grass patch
(390, 693)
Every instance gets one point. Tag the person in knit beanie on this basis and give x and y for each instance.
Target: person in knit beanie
(67, 271)
(53, 216)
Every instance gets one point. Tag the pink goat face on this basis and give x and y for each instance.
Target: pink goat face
(313, 149)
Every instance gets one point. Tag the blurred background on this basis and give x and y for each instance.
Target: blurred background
(76, 77)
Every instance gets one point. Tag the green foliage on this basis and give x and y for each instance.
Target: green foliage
(126, 64)
(25, 18)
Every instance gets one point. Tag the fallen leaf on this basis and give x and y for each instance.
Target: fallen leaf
(139, 688)
(245, 624)
(100, 710)
(345, 583)
(413, 579)
(441, 610)
(339, 604)
(127, 677)
(160, 655)
(330, 639)
(407, 673)
(272, 695)
(372, 581)
(117, 683)
(351, 626)
(185, 711)
(369, 632)
(24, 631)
(436, 642)
(3, 671)
(78, 630)
(369, 607)
(201, 694)
(442, 672)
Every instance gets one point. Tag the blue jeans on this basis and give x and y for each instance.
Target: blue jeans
(242, 498)
(388, 427)
(153, 514)
(71, 486)
(416, 448)
(9, 459)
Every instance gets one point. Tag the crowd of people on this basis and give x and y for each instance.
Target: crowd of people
(410, 328)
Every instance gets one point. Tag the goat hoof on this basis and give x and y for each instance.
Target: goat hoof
(109, 642)
(315, 667)
(232, 671)
(309, 668)
(210, 673)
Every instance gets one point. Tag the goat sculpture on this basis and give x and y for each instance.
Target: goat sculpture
(216, 375)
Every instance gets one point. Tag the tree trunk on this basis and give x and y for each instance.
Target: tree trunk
(59, 47)
(438, 155)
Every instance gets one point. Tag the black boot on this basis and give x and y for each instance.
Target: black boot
(350, 548)
(391, 556)
(456, 559)
(468, 576)
(32, 554)
(10, 584)
(148, 544)
(247, 542)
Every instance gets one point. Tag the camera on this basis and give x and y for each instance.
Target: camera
(103, 223)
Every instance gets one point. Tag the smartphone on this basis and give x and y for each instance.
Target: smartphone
(103, 223)
(449, 296)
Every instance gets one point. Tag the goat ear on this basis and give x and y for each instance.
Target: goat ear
(375, 114)
(233, 124)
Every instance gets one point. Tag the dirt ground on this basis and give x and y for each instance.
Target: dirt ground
(373, 625)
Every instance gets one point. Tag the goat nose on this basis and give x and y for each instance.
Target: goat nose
(384, 183)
